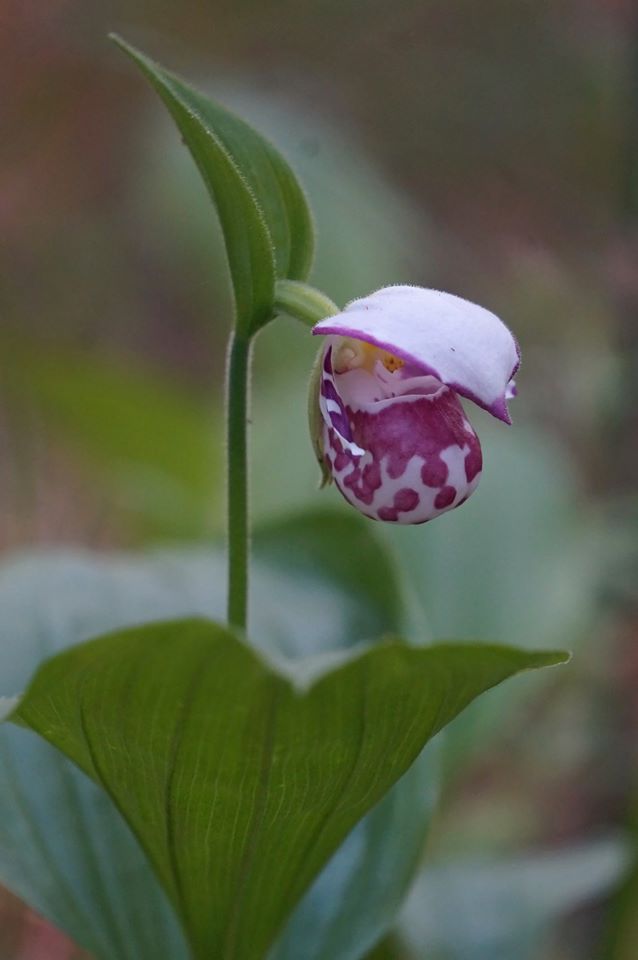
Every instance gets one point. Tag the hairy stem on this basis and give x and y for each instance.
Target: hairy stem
(303, 302)
(238, 382)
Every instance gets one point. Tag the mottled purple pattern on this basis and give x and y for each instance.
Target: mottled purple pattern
(421, 457)
(445, 497)
(338, 418)
(405, 500)
(473, 462)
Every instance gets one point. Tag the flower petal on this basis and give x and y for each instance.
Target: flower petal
(419, 457)
(461, 344)
(332, 407)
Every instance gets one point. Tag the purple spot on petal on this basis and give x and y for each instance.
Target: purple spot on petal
(329, 391)
(406, 499)
(473, 460)
(434, 472)
(353, 478)
(413, 435)
(423, 428)
(338, 418)
(445, 497)
(342, 460)
(372, 475)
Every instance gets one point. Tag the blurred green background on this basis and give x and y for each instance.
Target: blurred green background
(489, 149)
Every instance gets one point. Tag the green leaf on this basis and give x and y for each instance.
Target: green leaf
(356, 897)
(66, 851)
(389, 949)
(622, 935)
(264, 215)
(621, 927)
(95, 883)
(238, 782)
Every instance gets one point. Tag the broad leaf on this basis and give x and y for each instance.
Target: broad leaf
(355, 899)
(621, 933)
(66, 851)
(238, 782)
(389, 949)
(96, 885)
(264, 215)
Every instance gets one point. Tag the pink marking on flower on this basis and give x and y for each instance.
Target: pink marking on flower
(405, 442)
(372, 476)
(434, 472)
(405, 500)
(445, 498)
(473, 460)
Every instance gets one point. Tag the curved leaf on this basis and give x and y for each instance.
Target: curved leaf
(355, 899)
(97, 884)
(220, 764)
(248, 241)
(274, 185)
(264, 214)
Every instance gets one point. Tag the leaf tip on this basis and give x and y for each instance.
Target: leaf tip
(126, 47)
(552, 658)
(116, 39)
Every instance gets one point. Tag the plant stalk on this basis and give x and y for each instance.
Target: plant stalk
(237, 400)
(303, 302)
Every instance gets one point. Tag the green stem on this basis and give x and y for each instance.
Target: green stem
(238, 381)
(303, 302)
(309, 306)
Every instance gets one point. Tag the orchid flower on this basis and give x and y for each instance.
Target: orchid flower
(388, 425)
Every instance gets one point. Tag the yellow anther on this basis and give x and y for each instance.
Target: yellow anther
(352, 353)
(391, 363)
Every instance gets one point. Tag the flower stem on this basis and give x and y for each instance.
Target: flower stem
(308, 305)
(303, 302)
(238, 381)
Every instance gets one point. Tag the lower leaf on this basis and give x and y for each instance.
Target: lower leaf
(238, 782)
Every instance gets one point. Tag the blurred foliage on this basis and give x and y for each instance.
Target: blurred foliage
(509, 908)
(153, 445)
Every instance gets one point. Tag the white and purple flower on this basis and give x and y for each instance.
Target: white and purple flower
(392, 432)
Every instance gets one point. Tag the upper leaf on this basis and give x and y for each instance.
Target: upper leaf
(238, 784)
(263, 212)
